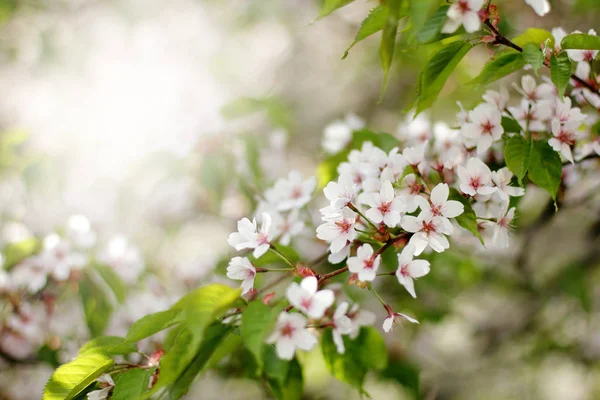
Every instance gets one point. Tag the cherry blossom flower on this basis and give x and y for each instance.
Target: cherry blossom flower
(249, 236)
(583, 55)
(531, 117)
(30, 274)
(567, 114)
(338, 229)
(365, 264)
(589, 148)
(564, 137)
(306, 298)
(415, 130)
(359, 318)
(485, 127)
(339, 193)
(428, 231)
(497, 99)
(501, 179)
(415, 156)
(80, 233)
(541, 7)
(240, 268)
(338, 256)
(385, 205)
(465, 12)
(475, 178)
(107, 383)
(396, 318)
(292, 192)
(60, 258)
(409, 269)
(342, 325)
(438, 204)
(287, 227)
(339, 133)
(123, 257)
(410, 188)
(290, 334)
(501, 229)
(534, 92)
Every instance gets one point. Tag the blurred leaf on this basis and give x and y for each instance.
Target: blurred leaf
(374, 22)
(16, 252)
(48, 355)
(580, 41)
(367, 352)
(152, 324)
(213, 338)
(435, 74)
(510, 125)
(504, 64)
(327, 169)
(109, 346)
(96, 305)
(113, 281)
(258, 321)
(560, 71)
(574, 281)
(131, 384)
(330, 6)
(276, 369)
(293, 387)
(533, 56)
(406, 374)
(467, 219)
(533, 35)
(545, 167)
(517, 151)
(420, 10)
(432, 30)
(388, 41)
(276, 110)
(71, 378)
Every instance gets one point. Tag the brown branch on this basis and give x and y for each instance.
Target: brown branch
(501, 39)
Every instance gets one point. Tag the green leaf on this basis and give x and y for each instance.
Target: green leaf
(374, 22)
(436, 72)
(367, 352)
(153, 323)
(533, 56)
(96, 305)
(276, 369)
(131, 384)
(330, 6)
(516, 155)
(580, 41)
(388, 41)
(213, 338)
(293, 386)
(420, 10)
(432, 30)
(113, 281)
(404, 373)
(468, 219)
(109, 346)
(257, 323)
(535, 36)
(199, 309)
(70, 379)
(510, 125)
(560, 71)
(504, 64)
(545, 167)
(15, 252)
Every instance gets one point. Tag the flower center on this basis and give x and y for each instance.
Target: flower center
(288, 330)
(463, 6)
(296, 193)
(262, 238)
(306, 302)
(404, 270)
(343, 225)
(428, 227)
(436, 209)
(475, 182)
(384, 208)
(369, 262)
(415, 188)
(487, 127)
(566, 137)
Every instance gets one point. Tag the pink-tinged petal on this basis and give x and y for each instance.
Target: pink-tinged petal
(420, 242)
(484, 143)
(260, 250)
(327, 231)
(247, 285)
(422, 202)
(309, 284)
(294, 293)
(453, 209)
(387, 192)
(566, 151)
(341, 310)
(471, 21)
(365, 251)
(325, 298)
(338, 244)
(408, 318)
(305, 340)
(409, 285)
(387, 324)
(438, 242)
(471, 131)
(515, 191)
(463, 176)
(391, 219)
(485, 190)
(285, 349)
(418, 268)
(374, 215)
(440, 193)
(367, 275)
(411, 224)
(339, 342)
(446, 226)
(354, 265)
(245, 225)
(407, 254)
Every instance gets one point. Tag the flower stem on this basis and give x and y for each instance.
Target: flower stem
(282, 256)
(383, 303)
(356, 210)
